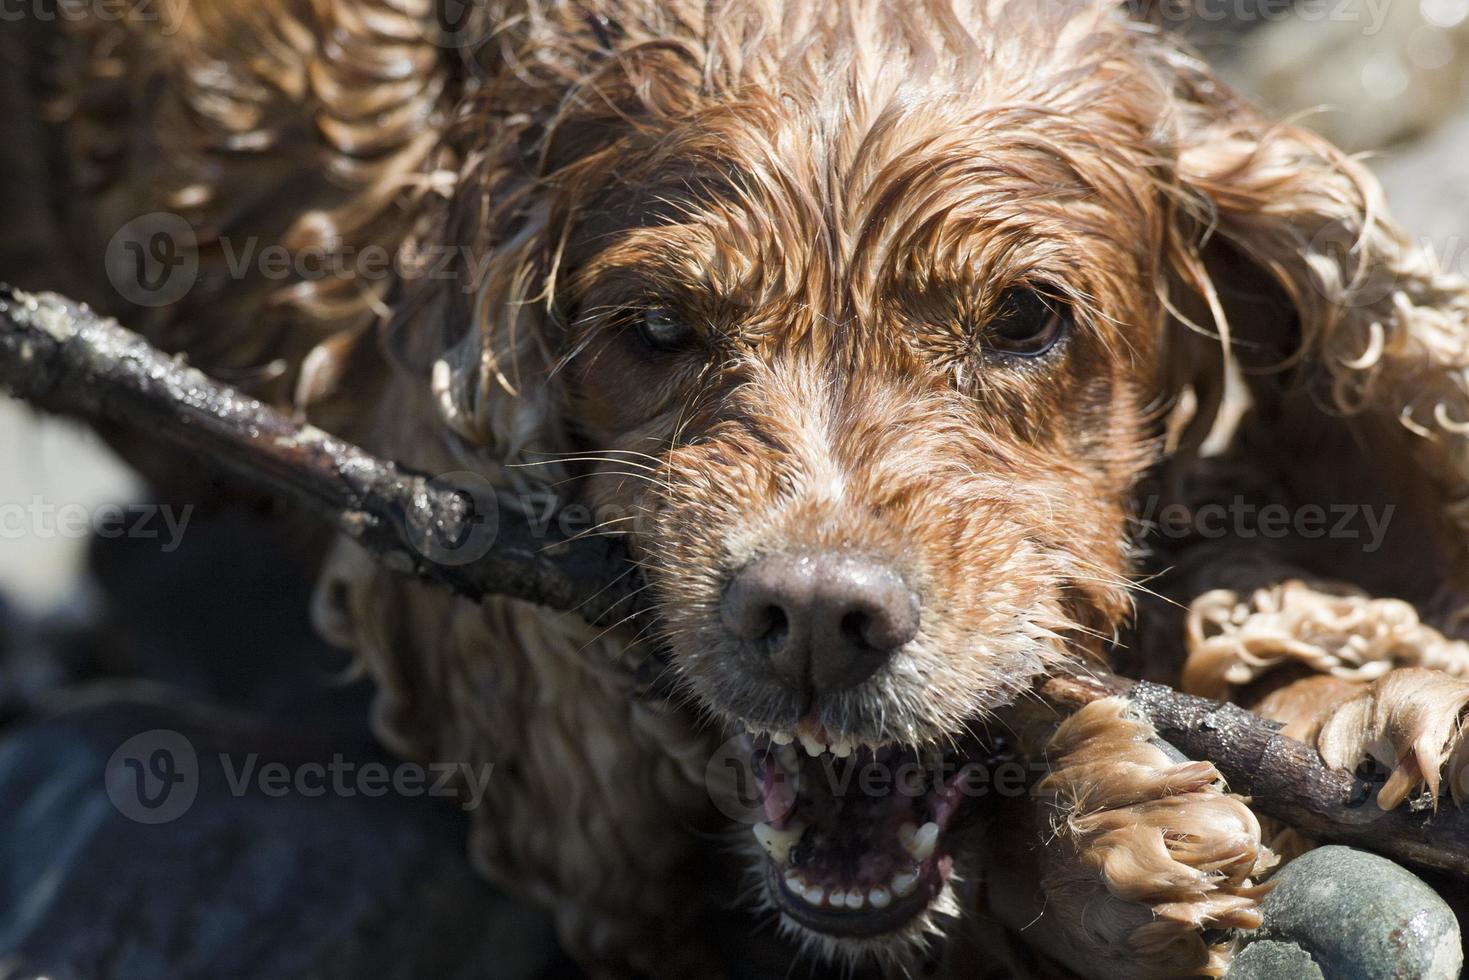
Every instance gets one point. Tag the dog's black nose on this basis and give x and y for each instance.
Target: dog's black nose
(826, 620)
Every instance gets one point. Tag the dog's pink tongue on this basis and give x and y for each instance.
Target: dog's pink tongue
(779, 797)
(944, 803)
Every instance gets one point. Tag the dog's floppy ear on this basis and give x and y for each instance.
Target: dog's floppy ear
(531, 151)
(489, 360)
(1329, 307)
(489, 380)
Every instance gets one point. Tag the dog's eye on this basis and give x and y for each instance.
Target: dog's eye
(1027, 324)
(661, 331)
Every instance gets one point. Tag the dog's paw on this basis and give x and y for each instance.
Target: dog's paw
(1149, 851)
(1412, 722)
(1233, 640)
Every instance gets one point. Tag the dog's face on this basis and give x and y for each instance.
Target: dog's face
(862, 318)
(867, 366)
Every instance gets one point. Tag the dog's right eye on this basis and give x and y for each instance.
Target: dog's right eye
(1028, 324)
(662, 331)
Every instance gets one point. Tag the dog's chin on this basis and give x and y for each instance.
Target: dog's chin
(860, 842)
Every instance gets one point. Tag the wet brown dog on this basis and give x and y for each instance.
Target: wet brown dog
(872, 326)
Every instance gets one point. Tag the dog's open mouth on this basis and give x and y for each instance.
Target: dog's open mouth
(858, 837)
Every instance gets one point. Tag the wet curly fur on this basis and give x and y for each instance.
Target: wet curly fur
(837, 198)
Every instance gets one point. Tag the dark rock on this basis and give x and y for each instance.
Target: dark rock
(238, 883)
(223, 618)
(1359, 916)
(1269, 959)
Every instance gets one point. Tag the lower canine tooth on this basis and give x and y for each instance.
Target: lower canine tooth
(903, 884)
(880, 898)
(778, 843)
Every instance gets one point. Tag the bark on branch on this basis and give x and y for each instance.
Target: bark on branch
(63, 358)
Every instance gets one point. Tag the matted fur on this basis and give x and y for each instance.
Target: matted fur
(1235, 641)
(836, 193)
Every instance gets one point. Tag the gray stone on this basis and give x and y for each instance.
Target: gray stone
(1360, 917)
(1269, 959)
(237, 883)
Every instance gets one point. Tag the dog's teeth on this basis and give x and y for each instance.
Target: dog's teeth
(786, 756)
(778, 843)
(812, 746)
(794, 882)
(923, 841)
(814, 895)
(919, 841)
(837, 899)
(842, 747)
(880, 898)
(781, 738)
(854, 899)
(907, 835)
(903, 884)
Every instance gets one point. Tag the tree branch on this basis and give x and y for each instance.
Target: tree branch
(64, 358)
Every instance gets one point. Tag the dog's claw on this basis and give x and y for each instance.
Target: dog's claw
(1411, 720)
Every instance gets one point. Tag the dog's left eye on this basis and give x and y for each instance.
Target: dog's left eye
(662, 331)
(1027, 324)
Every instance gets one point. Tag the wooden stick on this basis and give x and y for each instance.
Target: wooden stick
(64, 358)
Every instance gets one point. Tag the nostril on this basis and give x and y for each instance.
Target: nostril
(886, 624)
(755, 609)
(857, 627)
(777, 629)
